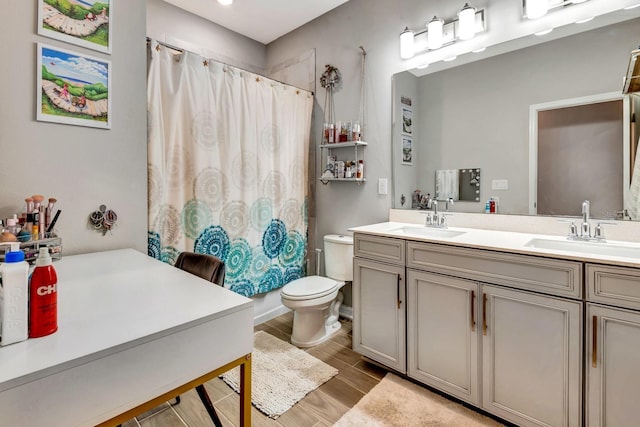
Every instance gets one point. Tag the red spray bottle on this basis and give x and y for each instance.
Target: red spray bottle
(43, 297)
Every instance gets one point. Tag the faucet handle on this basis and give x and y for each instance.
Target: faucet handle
(597, 232)
(573, 229)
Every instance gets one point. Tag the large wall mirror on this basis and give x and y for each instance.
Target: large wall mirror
(479, 115)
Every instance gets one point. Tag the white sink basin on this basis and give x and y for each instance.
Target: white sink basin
(440, 233)
(594, 248)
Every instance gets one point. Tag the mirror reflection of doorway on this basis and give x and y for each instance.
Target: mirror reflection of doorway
(580, 158)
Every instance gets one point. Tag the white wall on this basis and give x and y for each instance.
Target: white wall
(82, 167)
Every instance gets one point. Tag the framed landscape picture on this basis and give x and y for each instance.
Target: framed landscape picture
(85, 23)
(72, 88)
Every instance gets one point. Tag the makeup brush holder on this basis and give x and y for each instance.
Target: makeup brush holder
(32, 247)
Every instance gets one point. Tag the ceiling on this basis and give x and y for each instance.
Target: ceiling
(260, 20)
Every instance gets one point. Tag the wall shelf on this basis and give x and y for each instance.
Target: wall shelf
(356, 145)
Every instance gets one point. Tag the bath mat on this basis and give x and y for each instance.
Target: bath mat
(281, 374)
(398, 402)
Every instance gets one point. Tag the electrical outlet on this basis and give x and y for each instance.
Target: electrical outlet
(382, 186)
(499, 184)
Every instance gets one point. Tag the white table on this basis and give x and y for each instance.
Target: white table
(132, 332)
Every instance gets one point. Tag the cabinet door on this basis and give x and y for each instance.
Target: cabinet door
(613, 373)
(442, 333)
(531, 367)
(379, 312)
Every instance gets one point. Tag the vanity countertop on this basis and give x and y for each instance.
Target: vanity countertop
(626, 254)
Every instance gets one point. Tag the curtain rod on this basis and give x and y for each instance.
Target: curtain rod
(182, 50)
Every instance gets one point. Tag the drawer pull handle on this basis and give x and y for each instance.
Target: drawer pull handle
(473, 311)
(398, 291)
(594, 341)
(484, 314)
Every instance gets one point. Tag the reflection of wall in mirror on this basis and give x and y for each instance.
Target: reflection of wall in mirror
(486, 122)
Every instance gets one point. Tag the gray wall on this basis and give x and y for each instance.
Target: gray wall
(82, 167)
(477, 115)
(167, 23)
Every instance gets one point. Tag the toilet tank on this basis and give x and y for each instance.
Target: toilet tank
(338, 257)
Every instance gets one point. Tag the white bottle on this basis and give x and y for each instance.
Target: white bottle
(14, 297)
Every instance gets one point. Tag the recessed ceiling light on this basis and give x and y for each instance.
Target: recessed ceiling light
(225, 2)
(422, 66)
(449, 59)
(543, 32)
(582, 21)
(480, 49)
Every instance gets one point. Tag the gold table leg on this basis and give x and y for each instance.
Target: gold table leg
(245, 392)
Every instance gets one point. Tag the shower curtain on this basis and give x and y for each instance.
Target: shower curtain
(227, 162)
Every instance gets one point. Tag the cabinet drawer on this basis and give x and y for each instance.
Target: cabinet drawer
(551, 276)
(377, 248)
(618, 286)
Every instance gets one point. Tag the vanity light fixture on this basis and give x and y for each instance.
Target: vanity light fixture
(466, 22)
(439, 33)
(534, 9)
(407, 47)
(435, 33)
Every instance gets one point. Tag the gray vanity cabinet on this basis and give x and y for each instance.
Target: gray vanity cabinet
(379, 300)
(531, 357)
(612, 346)
(443, 339)
(489, 328)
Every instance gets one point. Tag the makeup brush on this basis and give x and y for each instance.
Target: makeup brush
(37, 201)
(29, 202)
(52, 201)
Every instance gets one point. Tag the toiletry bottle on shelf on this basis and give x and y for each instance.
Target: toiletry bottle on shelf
(43, 297)
(360, 173)
(487, 207)
(14, 297)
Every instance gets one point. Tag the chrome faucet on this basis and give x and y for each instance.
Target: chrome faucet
(449, 203)
(438, 219)
(585, 229)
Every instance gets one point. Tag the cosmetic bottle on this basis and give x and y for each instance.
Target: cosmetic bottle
(14, 297)
(43, 297)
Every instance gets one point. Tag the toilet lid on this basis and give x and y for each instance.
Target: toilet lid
(309, 287)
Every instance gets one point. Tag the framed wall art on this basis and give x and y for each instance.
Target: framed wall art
(85, 23)
(407, 121)
(407, 150)
(73, 88)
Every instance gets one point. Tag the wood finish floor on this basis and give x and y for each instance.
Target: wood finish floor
(320, 408)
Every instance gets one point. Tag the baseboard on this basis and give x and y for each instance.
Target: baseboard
(346, 312)
(271, 314)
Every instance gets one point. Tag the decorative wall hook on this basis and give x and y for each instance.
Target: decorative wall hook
(103, 219)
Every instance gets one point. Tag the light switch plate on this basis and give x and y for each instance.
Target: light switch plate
(382, 186)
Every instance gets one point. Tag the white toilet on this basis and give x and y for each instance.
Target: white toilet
(316, 300)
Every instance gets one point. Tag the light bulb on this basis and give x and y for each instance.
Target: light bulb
(537, 8)
(434, 33)
(466, 22)
(406, 44)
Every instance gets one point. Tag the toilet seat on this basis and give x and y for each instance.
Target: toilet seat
(309, 287)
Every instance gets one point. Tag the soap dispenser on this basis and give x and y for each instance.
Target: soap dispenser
(14, 297)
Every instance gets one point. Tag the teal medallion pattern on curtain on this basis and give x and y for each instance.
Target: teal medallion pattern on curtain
(228, 169)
